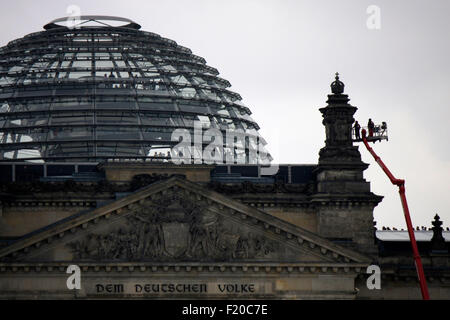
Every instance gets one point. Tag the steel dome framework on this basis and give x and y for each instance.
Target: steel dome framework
(99, 92)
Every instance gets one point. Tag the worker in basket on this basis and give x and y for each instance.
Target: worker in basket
(383, 127)
(371, 127)
(357, 127)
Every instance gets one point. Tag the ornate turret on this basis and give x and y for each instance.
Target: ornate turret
(339, 160)
(338, 120)
(346, 203)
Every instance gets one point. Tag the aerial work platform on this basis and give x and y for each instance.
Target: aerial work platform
(380, 133)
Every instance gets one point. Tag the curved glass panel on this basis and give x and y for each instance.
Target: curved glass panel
(101, 92)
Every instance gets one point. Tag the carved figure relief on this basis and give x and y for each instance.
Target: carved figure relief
(174, 229)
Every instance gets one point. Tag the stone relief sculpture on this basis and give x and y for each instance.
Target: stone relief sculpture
(174, 229)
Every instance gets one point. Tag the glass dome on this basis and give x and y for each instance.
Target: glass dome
(97, 92)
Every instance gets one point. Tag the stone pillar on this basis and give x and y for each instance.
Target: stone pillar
(344, 201)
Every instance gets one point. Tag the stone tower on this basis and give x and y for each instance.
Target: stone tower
(345, 202)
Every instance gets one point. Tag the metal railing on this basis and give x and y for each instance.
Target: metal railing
(380, 132)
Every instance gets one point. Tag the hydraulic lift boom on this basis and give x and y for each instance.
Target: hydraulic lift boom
(401, 189)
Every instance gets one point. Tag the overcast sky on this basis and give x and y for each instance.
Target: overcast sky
(281, 56)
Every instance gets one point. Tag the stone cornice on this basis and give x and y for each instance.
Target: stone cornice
(340, 165)
(345, 199)
(293, 235)
(51, 203)
(213, 268)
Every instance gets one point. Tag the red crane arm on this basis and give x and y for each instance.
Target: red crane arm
(401, 189)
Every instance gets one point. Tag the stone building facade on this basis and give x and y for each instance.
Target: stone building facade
(157, 230)
(88, 183)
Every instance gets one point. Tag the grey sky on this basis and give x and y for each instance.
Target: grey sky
(281, 56)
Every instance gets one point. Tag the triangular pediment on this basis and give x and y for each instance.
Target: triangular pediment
(176, 221)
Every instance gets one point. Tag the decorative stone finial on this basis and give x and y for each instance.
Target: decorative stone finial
(437, 223)
(337, 87)
(437, 241)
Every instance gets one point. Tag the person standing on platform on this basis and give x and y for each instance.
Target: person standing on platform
(357, 127)
(371, 127)
(383, 127)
